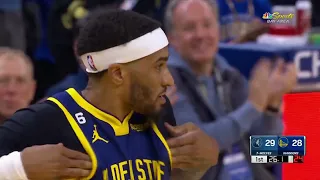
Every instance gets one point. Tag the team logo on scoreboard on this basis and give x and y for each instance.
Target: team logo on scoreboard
(283, 142)
(256, 142)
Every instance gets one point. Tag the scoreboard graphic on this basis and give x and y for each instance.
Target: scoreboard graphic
(273, 149)
(277, 159)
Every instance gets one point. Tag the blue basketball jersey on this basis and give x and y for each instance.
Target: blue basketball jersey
(130, 150)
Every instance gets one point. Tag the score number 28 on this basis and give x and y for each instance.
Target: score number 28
(272, 142)
(296, 142)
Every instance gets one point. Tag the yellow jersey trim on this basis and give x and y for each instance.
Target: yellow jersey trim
(164, 142)
(82, 138)
(120, 128)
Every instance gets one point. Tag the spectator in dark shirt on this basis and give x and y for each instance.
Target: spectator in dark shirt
(12, 26)
(60, 35)
(76, 80)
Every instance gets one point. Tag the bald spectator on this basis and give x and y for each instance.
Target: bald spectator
(17, 85)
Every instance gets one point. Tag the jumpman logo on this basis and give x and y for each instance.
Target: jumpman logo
(96, 136)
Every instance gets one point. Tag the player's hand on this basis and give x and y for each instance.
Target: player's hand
(191, 148)
(258, 85)
(51, 162)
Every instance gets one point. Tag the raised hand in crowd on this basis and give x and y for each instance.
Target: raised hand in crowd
(270, 82)
(258, 84)
(282, 80)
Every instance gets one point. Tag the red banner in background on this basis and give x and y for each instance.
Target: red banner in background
(302, 117)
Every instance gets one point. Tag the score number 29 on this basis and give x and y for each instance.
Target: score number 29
(270, 142)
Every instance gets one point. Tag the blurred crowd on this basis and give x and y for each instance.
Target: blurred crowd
(38, 59)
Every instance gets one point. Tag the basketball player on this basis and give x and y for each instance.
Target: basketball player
(118, 120)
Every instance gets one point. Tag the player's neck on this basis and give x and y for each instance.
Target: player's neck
(106, 100)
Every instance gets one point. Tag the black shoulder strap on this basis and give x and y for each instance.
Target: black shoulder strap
(166, 116)
(45, 106)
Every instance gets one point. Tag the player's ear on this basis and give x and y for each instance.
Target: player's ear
(116, 73)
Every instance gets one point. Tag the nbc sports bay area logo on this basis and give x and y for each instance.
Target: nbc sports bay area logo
(277, 17)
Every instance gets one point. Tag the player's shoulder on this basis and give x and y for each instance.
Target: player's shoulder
(39, 111)
(35, 120)
(45, 106)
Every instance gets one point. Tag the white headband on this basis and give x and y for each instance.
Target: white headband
(138, 48)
